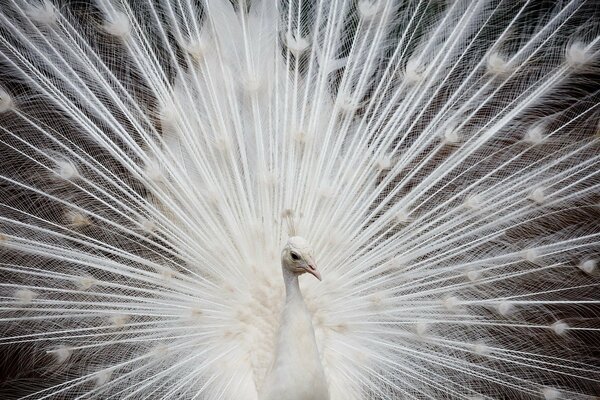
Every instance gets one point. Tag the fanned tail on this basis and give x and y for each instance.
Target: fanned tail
(441, 157)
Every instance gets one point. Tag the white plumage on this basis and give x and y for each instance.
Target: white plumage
(441, 158)
(296, 372)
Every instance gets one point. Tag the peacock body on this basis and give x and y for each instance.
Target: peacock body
(441, 158)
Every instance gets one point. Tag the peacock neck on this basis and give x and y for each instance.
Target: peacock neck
(292, 286)
(297, 372)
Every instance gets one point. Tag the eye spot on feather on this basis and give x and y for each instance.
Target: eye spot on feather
(43, 13)
(537, 195)
(6, 101)
(422, 328)
(473, 202)
(451, 134)
(165, 274)
(194, 313)
(560, 328)
(384, 163)
(302, 137)
(376, 302)
(414, 71)
(296, 45)
(168, 114)
(118, 25)
(451, 303)
(153, 171)
(60, 354)
(588, 266)
(159, 351)
(534, 135)
(119, 320)
(481, 349)
(368, 9)
(531, 255)
(86, 282)
(347, 103)
(339, 328)
(24, 296)
(196, 48)
(402, 217)
(550, 393)
(147, 225)
(473, 275)
(505, 308)
(77, 220)
(66, 170)
(497, 64)
(577, 55)
(101, 378)
(287, 213)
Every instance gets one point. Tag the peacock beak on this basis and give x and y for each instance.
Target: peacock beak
(311, 269)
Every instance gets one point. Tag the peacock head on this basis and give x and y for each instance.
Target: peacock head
(297, 257)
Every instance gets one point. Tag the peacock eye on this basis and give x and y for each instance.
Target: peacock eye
(295, 256)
